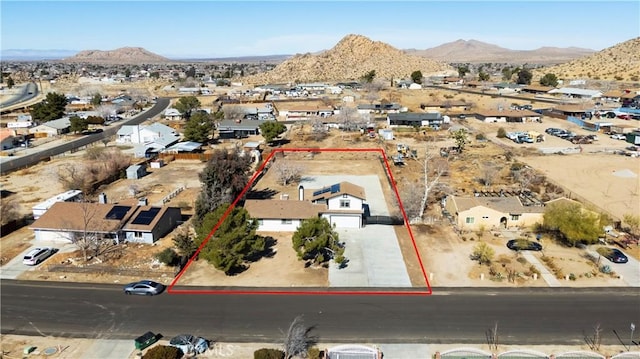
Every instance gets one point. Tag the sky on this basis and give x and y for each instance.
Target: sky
(211, 29)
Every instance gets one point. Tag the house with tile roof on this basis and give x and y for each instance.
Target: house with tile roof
(473, 213)
(65, 221)
(342, 204)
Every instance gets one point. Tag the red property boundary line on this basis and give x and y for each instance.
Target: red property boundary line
(328, 291)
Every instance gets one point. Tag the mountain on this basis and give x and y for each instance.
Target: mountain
(474, 51)
(123, 55)
(620, 62)
(350, 59)
(35, 55)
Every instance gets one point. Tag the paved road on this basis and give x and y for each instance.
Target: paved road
(524, 316)
(29, 160)
(26, 93)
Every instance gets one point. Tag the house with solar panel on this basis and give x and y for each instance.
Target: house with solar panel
(342, 204)
(140, 223)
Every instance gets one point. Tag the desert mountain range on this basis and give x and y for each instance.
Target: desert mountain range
(351, 58)
(620, 62)
(123, 55)
(473, 51)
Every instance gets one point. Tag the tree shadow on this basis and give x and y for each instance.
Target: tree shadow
(5, 193)
(266, 193)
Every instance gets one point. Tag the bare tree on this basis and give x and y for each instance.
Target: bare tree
(233, 112)
(594, 342)
(106, 110)
(9, 209)
(74, 176)
(318, 128)
(489, 172)
(433, 167)
(348, 118)
(287, 171)
(298, 339)
(525, 176)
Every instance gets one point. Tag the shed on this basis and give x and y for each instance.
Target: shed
(136, 172)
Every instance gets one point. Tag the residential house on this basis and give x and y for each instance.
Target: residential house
(238, 128)
(631, 99)
(431, 119)
(254, 111)
(52, 128)
(446, 105)
(536, 89)
(365, 108)
(7, 138)
(138, 134)
(304, 111)
(22, 123)
(342, 204)
(172, 114)
(563, 111)
(184, 147)
(490, 116)
(613, 95)
(473, 213)
(449, 80)
(39, 209)
(65, 221)
(572, 92)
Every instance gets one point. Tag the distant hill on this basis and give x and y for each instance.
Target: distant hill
(620, 62)
(123, 55)
(35, 55)
(350, 59)
(473, 51)
(270, 59)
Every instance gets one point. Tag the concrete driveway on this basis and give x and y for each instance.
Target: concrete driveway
(629, 271)
(14, 268)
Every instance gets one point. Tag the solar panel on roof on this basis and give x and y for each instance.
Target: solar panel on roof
(335, 188)
(321, 191)
(146, 217)
(117, 212)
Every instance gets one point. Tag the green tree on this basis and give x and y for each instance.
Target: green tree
(186, 105)
(574, 222)
(96, 99)
(78, 124)
(416, 77)
(524, 77)
(317, 242)
(463, 70)
(460, 137)
(184, 243)
(198, 128)
(10, 82)
(270, 130)
(234, 243)
(507, 73)
(154, 75)
(51, 108)
(95, 120)
(369, 76)
(483, 76)
(502, 133)
(224, 177)
(482, 253)
(549, 80)
(127, 73)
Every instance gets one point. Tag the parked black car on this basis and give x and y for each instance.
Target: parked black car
(613, 254)
(523, 245)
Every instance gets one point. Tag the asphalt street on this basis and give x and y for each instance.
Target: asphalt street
(31, 159)
(461, 315)
(25, 93)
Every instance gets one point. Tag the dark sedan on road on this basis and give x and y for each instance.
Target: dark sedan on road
(144, 287)
(523, 245)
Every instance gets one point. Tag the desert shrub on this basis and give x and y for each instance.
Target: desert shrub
(313, 353)
(502, 133)
(572, 276)
(168, 256)
(606, 269)
(163, 352)
(521, 260)
(483, 253)
(516, 166)
(267, 353)
(481, 137)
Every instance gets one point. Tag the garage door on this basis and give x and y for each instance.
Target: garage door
(342, 221)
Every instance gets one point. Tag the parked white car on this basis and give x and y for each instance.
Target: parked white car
(618, 136)
(37, 255)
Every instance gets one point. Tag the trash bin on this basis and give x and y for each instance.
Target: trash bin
(145, 340)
